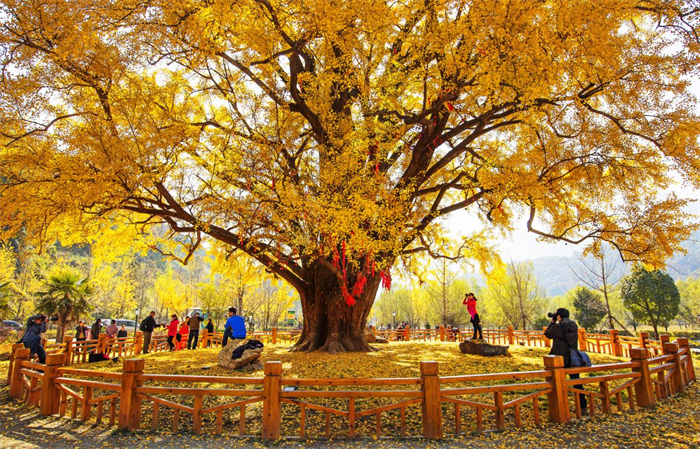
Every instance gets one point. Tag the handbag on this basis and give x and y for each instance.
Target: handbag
(578, 358)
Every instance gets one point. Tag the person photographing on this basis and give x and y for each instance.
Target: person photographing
(36, 325)
(564, 335)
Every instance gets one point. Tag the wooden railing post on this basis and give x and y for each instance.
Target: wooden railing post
(68, 350)
(432, 411)
(683, 343)
(21, 355)
(138, 343)
(511, 335)
(644, 389)
(15, 347)
(407, 333)
(663, 339)
(615, 342)
(274, 335)
(442, 332)
(129, 402)
(101, 344)
(677, 376)
(50, 395)
(558, 399)
(272, 401)
(547, 341)
(205, 338)
(643, 339)
(582, 343)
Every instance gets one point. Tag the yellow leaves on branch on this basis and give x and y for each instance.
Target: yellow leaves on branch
(286, 129)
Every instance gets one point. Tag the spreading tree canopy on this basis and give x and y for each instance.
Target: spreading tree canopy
(651, 296)
(328, 139)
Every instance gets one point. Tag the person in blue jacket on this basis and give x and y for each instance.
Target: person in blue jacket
(234, 327)
(36, 325)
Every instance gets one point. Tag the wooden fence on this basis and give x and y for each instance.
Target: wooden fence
(275, 406)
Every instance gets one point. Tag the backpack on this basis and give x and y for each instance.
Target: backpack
(142, 327)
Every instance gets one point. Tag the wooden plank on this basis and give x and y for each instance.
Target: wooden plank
(536, 410)
(197, 391)
(231, 405)
(88, 383)
(219, 421)
(154, 418)
(388, 407)
(352, 394)
(494, 388)
(241, 420)
(494, 376)
(598, 379)
(197, 414)
(344, 382)
(351, 418)
(89, 373)
(112, 411)
(201, 379)
(176, 420)
(469, 403)
(302, 422)
(165, 402)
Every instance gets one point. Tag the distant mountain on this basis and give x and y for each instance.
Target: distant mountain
(556, 276)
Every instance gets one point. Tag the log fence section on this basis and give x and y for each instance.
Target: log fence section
(485, 400)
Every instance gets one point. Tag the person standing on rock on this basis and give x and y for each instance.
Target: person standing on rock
(470, 302)
(234, 327)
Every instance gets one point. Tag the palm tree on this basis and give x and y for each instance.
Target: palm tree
(67, 296)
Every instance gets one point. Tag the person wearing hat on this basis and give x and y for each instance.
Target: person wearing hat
(564, 335)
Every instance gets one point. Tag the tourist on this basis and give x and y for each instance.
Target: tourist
(234, 327)
(564, 335)
(147, 327)
(36, 325)
(96, 329)
(172, 331)
(210, 332)
(111, 332)
(470, 302)
(183, 333)
(81, 331)
(122, 332)
(194, 323)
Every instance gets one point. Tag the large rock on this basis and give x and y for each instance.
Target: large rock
(250, 356)
(482, 348)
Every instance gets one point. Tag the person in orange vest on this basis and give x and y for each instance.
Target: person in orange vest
(183, 334)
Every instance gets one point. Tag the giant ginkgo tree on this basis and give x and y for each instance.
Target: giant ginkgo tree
(329, 139)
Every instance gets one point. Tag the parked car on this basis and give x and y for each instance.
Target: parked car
(13, 325)
(130, 324)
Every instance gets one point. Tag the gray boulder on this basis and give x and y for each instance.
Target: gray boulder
(249, 357)
(482, 348)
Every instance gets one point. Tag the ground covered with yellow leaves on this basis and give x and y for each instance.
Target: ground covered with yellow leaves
(673, 423)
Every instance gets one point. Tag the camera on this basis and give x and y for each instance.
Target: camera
(552, 314)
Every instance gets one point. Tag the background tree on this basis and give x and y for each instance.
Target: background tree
(601, 271)
(590, 308)
(515, 291)
(67, 295)
(689, 307)
(651, 296)
(328, 140)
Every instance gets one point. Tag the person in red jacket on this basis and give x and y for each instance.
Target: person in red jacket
(172, 331)
(470, 302)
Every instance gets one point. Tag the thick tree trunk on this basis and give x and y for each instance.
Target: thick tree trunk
(330, 325)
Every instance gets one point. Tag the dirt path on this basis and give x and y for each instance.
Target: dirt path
(675, 423)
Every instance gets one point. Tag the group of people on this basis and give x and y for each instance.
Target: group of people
(185, 330)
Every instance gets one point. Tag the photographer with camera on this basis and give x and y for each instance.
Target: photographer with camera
(564, 335)
(36, 325)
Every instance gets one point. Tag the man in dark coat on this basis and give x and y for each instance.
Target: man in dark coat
(147, 327)
(564, 335)
(36, 325)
